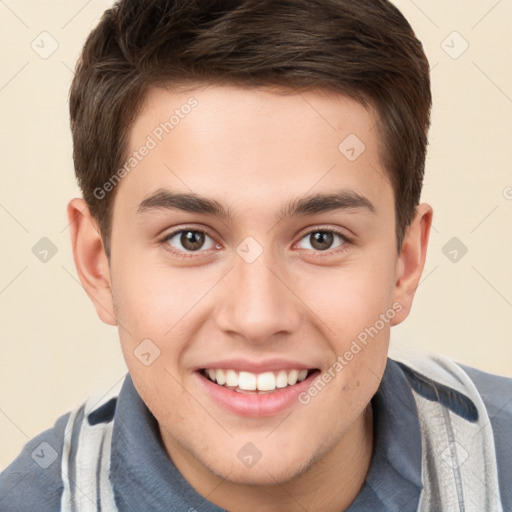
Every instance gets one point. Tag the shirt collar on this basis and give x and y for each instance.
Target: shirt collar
(143, 476)
(394, 478)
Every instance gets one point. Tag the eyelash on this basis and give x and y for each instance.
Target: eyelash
(316, 254)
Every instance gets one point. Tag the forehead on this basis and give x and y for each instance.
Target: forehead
(253, 147)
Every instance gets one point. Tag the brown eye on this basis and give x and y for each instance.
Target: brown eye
(322, 240)
(189, 240)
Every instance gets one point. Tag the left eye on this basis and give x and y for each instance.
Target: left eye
(322, 240)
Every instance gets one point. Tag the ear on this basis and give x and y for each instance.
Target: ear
(412, 260)
(90, 259)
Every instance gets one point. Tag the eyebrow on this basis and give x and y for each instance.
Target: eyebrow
(164, 199)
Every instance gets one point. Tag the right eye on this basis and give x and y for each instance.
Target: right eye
(188, 240)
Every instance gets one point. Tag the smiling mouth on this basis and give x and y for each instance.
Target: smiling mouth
(256, 383)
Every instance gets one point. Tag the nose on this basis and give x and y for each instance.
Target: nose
(258, 302)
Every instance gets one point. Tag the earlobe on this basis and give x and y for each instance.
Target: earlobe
(412, 260)
(90, 259)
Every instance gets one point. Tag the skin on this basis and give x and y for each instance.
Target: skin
(254, 150)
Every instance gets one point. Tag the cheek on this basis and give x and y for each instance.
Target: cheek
(152, 298)
(165, 305)
(147, 309)
(153, 304)
(350, 299)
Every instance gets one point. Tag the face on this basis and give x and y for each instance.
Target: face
(279, 273)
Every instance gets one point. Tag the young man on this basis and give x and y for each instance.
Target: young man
(251, 174)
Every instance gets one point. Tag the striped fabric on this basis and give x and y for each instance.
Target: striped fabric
(459, 468)
(86, 458)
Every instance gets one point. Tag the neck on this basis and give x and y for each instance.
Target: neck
(330, 482)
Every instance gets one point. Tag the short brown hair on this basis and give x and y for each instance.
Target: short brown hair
(364, 49)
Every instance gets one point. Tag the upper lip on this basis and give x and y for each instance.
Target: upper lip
(244, 365)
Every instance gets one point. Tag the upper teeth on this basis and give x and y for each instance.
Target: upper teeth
(267, 381)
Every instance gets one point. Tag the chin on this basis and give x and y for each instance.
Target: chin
(262, 476)
(273, 471)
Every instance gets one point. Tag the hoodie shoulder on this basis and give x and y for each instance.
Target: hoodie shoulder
(33, 480)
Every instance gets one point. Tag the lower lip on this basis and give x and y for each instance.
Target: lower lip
(254, 404)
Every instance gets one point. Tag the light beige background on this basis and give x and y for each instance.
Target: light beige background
(55, 351)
